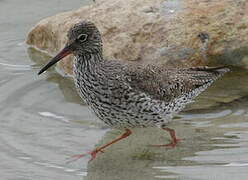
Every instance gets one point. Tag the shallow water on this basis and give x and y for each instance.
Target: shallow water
(43, 121)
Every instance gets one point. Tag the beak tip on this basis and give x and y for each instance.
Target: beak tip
(64, 52)
(40, 72)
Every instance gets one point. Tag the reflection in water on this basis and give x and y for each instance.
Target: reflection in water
(199, 150)
(221, 163)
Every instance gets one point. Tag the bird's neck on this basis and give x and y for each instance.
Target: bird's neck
(87, 62)
(89, 59)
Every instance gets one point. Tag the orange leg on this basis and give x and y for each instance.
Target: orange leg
(174, 139)
(100, 149)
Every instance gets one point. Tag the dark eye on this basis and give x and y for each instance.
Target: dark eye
(82, 37)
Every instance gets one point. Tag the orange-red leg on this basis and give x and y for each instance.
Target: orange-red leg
(174, 139)
(100, 149)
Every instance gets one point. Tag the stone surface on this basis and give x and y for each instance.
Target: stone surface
(158, 31)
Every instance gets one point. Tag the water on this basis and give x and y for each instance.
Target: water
(43, 121)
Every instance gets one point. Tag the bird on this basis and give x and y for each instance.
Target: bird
(127, 96)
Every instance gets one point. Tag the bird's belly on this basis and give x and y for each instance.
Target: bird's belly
(119, 114)
(124, 119)
(117, 111)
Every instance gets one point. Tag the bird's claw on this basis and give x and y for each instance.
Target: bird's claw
(79, 156)
(171, 144)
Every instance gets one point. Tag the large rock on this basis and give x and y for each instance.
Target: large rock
(157, 31)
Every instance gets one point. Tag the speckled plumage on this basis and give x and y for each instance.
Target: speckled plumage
(127, 96)
(123, 95)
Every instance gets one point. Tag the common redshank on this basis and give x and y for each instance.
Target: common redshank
(125, 96)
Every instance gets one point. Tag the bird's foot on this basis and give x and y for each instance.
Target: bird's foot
(79, 156)
(99, 149)
(172, 144)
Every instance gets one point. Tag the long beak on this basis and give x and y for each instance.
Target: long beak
(64, 52)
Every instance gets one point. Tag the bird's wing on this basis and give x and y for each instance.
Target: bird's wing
(169, 84)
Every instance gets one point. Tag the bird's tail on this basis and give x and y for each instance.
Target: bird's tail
(220, 69)
(211, 72)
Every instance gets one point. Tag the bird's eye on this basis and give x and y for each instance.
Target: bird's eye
(82, 37)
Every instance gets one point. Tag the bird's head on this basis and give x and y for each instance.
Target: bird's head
(83, 38)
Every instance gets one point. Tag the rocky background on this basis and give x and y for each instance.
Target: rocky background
(165, 32)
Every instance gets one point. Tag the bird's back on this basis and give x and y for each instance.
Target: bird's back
(167, 84)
